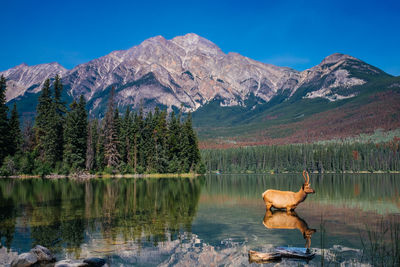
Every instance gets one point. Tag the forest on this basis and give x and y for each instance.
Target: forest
(63, 140)
(328, 157)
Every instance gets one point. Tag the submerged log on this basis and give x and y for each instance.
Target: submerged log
(261, 257)
(294, 252)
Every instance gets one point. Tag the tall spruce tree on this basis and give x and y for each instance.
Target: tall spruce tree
(125, 133)
(100, 141)
(91, 146)
(136, 140)
(111, 153)
(190, 153)
(15, 132)
(59, 118)
(174, 144)
(161, 131)
(45, 130)
(75, 135)
(4, 126)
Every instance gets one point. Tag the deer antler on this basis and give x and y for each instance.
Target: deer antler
(308, 177)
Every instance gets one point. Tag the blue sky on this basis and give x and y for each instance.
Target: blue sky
(297, 34)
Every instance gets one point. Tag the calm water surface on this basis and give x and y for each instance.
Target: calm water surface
(212, 220)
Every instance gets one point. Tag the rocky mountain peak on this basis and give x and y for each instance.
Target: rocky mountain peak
(192, 41)
(22, 78)
(335, 58)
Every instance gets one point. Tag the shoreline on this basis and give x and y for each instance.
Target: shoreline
(107, 176)
(173, 175)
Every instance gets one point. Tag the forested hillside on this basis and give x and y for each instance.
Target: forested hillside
(301, 120)
(331, 157)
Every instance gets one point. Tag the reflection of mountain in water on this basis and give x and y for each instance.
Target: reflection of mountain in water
(279, 219)
(60, 213)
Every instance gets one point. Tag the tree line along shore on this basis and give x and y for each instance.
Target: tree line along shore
(63, 140)
(344, 157)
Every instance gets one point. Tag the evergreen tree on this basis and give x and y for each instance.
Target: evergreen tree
(59, 118)
(75, 135)
(99, 152)
(15, 132)
(45, 130)
(137, 141)
(111, 153)
(91, 146)
(118, 131)
(174, 144)
(149, 143)
(161, 131)
(190, 153)
(125, 137)
(4, 126)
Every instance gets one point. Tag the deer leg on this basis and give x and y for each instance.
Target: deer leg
(289, 209)
(308, 242)
(269, 205)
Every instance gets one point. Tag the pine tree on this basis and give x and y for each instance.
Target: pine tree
(59, 118)
(137, 141)
(190, 153)
(91, 146)
(4, 126)
(125, 137)
(161, 131)
(45, 130)
(174, 144)
(75, 135)
(100, 141)
(111, 154)
(15, 132)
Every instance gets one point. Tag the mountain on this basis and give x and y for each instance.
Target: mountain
(192, 73)
(186, 71)
(28, 79)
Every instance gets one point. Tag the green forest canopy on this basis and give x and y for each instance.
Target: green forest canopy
(62, 140)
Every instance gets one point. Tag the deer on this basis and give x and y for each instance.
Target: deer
(282, 220)
(287, 199)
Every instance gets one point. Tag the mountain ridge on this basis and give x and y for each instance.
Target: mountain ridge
(195, 69)
(222, 89)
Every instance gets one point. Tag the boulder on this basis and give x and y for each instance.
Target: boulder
(24, 260)
(43, 254)
(95, 262)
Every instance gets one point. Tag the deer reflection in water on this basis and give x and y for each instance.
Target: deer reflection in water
(288, 220)
(287, 199)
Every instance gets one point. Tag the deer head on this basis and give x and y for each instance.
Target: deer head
(307, 186)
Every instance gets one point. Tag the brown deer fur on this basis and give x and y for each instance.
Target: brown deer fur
(287, 199)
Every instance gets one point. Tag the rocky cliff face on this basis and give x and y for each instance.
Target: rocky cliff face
(23, 78)
(190, 71)
(335, 77)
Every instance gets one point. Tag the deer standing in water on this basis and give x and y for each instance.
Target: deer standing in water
(287, 199)
(283, 220)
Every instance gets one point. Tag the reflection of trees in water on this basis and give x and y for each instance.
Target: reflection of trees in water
(333, 187)
(7, 221)
(59, 211)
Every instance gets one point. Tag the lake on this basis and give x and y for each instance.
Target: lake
(209, 220)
